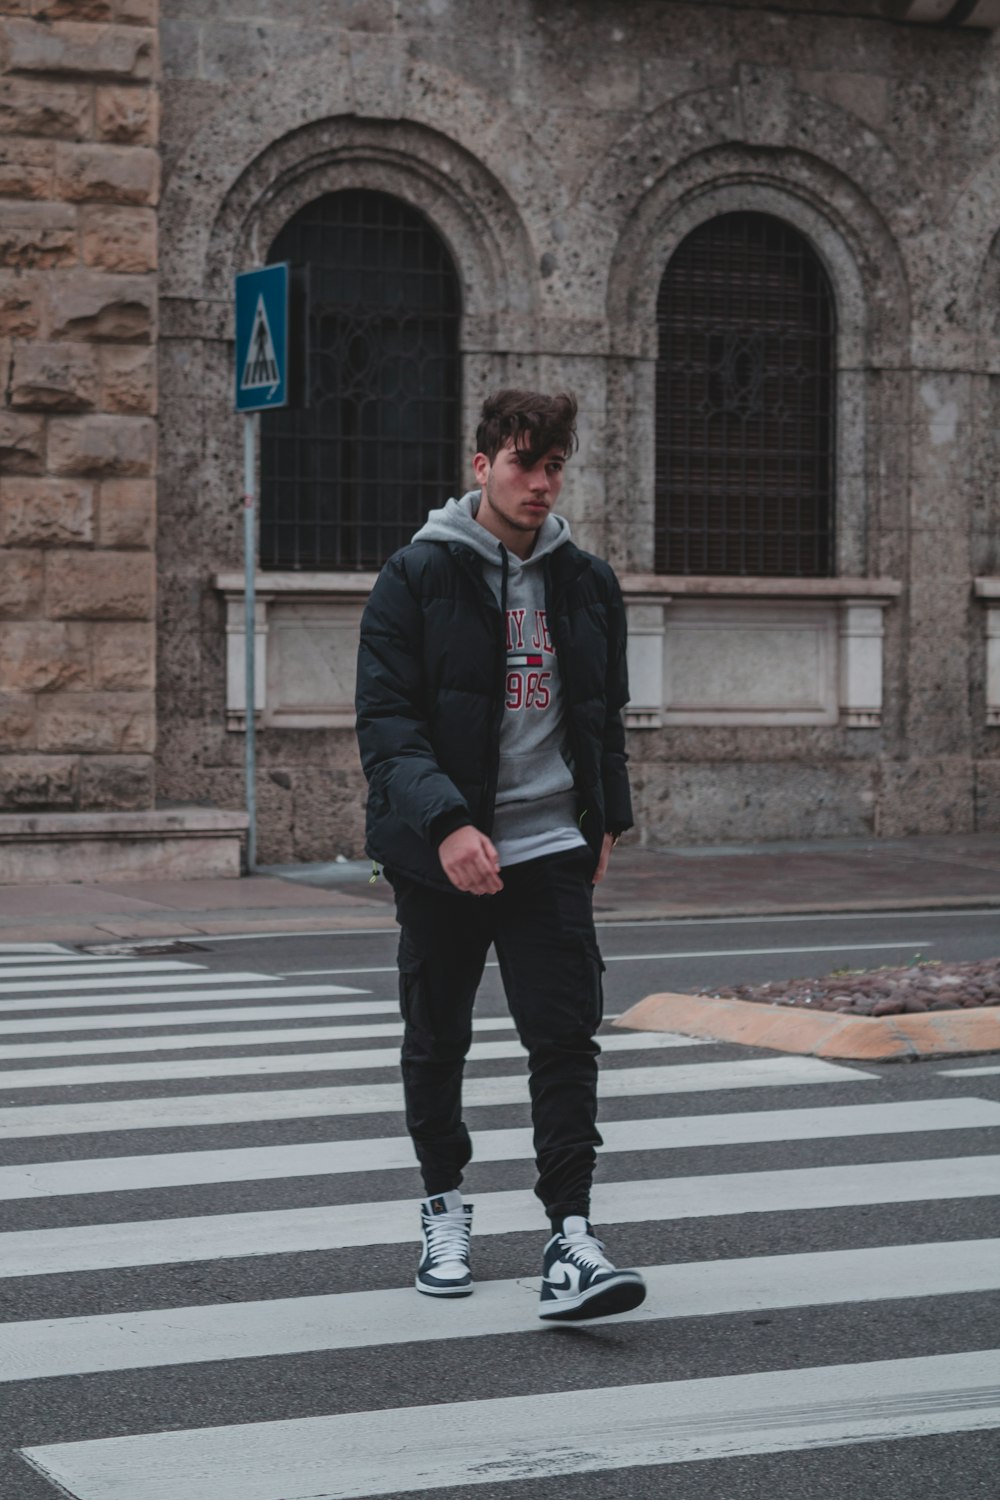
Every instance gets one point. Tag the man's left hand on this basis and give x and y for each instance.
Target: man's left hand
(602, 863)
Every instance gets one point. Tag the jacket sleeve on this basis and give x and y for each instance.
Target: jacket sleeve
(393, 736)
(614, 759)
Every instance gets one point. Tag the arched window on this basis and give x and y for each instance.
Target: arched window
(745, 403)
(349, 477)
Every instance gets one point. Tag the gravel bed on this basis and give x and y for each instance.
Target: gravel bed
(918, 986)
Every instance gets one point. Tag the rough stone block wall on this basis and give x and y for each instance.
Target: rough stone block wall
(79, 185)
(558, 145)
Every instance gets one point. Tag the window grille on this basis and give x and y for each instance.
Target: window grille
(745, 403)
(348, 478)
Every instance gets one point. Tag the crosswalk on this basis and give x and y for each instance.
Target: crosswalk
(229, 1238)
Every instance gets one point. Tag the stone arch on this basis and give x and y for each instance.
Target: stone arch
(808, 161)
(798, 159)
(485, 237)
(833, 149)
(869, 286)
(859, 254)
(353, 116)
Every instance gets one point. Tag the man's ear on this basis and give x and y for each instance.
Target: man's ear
(481, 468)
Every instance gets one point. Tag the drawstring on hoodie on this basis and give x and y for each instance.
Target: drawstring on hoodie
(493, 771)
(504, 577)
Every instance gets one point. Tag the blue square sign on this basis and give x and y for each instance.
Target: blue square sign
(262, 338)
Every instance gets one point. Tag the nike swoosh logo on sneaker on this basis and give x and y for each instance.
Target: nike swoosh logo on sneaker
(568, 1284)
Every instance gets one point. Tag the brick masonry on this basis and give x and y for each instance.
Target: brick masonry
(79, 186)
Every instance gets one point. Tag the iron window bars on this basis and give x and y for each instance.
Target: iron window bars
(745, 403)
(349, 476)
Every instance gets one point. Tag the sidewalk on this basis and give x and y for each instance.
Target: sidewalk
(839, 875)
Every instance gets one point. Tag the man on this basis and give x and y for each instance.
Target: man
(491, 679)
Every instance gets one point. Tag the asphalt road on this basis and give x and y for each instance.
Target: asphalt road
(645, 957)
(125, 1201)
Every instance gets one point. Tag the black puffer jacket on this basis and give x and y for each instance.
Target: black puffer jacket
(430, 698)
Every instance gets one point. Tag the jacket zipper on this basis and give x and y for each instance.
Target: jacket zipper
(489, 786)
(493, 769)
(562, 657)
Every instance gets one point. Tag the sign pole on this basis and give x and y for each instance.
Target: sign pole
(262, 337)
(250, 627)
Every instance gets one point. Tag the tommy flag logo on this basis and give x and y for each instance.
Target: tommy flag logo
(523, 660)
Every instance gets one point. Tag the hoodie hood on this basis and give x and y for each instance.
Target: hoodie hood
(456, 522)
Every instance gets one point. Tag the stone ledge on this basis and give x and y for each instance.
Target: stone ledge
(298, 585)
(659, 587)
(663, 586)
(818, 1033)
(84, 848)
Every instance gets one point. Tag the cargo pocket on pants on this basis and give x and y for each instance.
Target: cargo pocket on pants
(594, 970)
(410, 967)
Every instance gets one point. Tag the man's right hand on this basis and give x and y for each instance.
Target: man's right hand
(470, 862)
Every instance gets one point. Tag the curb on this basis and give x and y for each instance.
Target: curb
(675, 910)
(119, 929)
(819, 1033)
(125, 927)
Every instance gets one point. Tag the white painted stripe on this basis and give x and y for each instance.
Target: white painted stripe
(968, 1072)
(119, 1174)
(356, 1099)
(172, 1042)
(14, 950)
(43, 1348)
(172, 981)
(378, 969)
(48, 959)
(638, 958)
(766, 952)
(111, 966)
(90, 1247)
(73, 1001)
(129, 1020)
(293, 1062)
(539, 1435)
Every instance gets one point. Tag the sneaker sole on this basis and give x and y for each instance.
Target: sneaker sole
(443, 1291)
(604, 1301)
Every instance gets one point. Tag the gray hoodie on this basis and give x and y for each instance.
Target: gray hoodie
(535, 787)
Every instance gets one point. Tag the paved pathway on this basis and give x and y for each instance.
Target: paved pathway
(826, 875)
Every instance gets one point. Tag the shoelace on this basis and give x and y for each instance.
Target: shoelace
(587, 1251)
(448, 1236)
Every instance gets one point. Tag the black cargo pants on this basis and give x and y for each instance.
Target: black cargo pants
(542, 927)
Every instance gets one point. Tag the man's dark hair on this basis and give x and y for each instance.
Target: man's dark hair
(537, 423)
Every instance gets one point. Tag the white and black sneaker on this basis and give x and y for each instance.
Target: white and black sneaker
(578, 1280)
(446, 1223)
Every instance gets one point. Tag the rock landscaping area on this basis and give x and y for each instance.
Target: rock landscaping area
(911, 989)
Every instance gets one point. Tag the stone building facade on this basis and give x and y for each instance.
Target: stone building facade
(564, 154)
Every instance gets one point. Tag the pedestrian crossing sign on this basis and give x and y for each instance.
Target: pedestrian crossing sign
(262, 338)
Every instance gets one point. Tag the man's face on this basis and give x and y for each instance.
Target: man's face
(520, 494)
